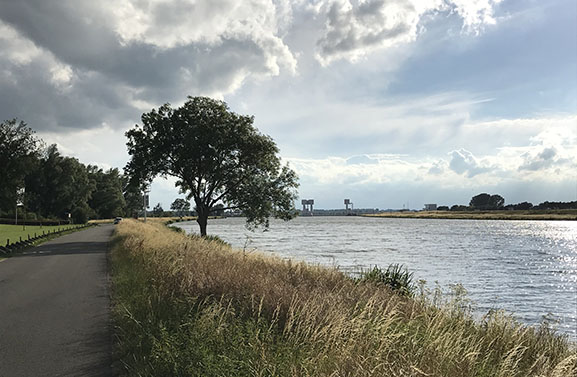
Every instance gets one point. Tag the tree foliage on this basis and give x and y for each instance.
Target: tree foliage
(19, 149)
(59, 186)
(158, 211)
(55, 185)
(180, 206)
(133, 198)
(107, 200)
(217, 156)
(520, 206)
(485, 201)
(557, 205)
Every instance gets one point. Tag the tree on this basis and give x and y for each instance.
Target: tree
(217, 156)
(158, 210)
(59, 186)
(107, 199)
(520, 206)
(485, 201)
(180, 206)
(19, 151)
(133, 198)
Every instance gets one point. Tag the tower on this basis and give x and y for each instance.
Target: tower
(307, 206)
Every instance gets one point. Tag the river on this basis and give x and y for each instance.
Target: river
(528, 268)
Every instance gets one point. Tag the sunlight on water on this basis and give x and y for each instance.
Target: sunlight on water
(528, 268)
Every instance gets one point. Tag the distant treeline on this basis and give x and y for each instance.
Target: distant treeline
(487, 202)
(41, 184)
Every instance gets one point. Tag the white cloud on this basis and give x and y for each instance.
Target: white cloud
(173, 24)
(475, 13)
(463, 162)
(547, 156)
(355, 28)
(103, 146)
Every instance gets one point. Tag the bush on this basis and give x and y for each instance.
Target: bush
(396, 277)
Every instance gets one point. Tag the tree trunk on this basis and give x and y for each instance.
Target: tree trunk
(202, 221)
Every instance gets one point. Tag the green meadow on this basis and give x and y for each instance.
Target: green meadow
(14, 232)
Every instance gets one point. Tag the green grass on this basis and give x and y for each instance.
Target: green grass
(14, 232)
(186, 306)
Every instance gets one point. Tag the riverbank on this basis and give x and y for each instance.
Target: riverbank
(186, 306)
(569, 214)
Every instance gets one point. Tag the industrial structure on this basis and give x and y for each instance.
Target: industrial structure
(347, 204)
(308, 206)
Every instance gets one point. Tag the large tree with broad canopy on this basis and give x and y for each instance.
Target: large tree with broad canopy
(217, 156)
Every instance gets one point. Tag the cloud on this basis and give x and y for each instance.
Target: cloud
(361, 160)
(88, 145)
(437, 167)
(545, 159)
(354, 29)
(475, 13)
(547, 156)
(78, 64)
(463, 162)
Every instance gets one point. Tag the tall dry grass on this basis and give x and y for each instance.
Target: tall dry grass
(562, 214)
(188, 306)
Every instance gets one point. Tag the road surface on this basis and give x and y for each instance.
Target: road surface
(54, 308)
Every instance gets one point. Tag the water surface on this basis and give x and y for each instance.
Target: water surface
(528, 268)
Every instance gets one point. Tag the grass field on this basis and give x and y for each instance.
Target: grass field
(570, 214)
(14, 232)
(186, 306)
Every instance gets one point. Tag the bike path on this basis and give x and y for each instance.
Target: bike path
(55, 309)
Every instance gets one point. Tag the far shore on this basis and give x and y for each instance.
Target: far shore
(570, 214)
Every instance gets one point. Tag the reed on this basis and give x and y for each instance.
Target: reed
(189, 306)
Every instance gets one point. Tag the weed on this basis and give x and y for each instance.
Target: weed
(396, 277)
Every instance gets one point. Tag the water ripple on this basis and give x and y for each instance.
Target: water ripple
(528, 268)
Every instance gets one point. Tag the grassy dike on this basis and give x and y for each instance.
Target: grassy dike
(185, 306)
(568, 214)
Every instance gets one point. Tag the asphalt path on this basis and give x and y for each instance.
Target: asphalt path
(55, 309)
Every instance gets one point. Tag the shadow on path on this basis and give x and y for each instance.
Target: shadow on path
(54, 308)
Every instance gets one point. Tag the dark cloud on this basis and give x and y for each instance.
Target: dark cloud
(80, 72)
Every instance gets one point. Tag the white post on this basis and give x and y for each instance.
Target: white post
(144, 205)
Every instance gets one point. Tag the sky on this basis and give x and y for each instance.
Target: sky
(389, 103)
